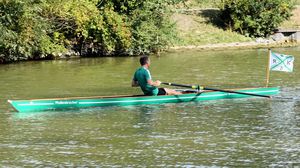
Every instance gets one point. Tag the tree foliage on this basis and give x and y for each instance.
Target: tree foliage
(25, 34)
(36, 29)
(255, 18)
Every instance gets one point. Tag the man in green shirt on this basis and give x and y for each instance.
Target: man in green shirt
(142, 78)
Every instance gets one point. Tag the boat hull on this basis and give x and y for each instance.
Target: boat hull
(75, 103)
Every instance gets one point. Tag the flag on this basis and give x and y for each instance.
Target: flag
(281, 62)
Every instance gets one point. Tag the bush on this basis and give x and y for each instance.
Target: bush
(152, 30)
(135, 27)
(24, 34)
(72, 23)
(255, 18)
(38, 29)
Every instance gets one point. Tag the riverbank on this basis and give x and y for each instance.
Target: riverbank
(203, 29)
(54, 34)
(236, 45)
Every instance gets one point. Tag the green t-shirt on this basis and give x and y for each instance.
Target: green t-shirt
(141, 75)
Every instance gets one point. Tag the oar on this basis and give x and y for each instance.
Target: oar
(185, 86)
(213, 89)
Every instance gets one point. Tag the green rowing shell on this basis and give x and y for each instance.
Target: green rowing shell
(75, 103)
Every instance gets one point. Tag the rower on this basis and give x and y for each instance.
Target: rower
(143, 79)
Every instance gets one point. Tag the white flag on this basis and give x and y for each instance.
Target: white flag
(281, 62)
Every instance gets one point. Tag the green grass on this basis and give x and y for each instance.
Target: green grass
(294, 22)
(213, 3)
(204, 27)
(204, 3)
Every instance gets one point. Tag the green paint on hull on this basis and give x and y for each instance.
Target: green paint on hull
(73, 103)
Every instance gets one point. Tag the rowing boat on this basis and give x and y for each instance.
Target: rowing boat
(85, 102)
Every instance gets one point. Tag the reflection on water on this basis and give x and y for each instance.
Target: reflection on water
(253, 132)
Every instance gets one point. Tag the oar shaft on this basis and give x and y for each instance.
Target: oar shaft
(213, 89)
(231, 91)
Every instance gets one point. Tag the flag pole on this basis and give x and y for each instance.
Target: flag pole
(268, 69)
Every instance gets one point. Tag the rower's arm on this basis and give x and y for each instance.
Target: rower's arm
(156, 83)
(135, 83)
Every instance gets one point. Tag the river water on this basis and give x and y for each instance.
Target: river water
(254, 132)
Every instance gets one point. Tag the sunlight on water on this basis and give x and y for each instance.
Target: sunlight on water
(252, 132)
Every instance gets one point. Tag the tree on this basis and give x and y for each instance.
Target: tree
(40, 29)
(255, 18)
(25, 34)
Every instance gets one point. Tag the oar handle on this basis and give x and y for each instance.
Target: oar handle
(181, 85)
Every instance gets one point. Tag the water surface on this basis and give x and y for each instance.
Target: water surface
(253, 132)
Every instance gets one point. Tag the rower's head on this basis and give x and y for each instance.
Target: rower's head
(145, 61)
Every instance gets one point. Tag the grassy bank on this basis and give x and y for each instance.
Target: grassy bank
(203, 27)
(212, 3)
(203, 3)
(294, 22)
(199, 24)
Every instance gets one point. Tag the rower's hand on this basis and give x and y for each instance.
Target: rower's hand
(157, 82)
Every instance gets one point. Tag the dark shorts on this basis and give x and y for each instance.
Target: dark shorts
(161, 91)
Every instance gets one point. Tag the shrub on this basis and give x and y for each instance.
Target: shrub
(255, 18)
(38, 29)
(24, 34)
(136, 27)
